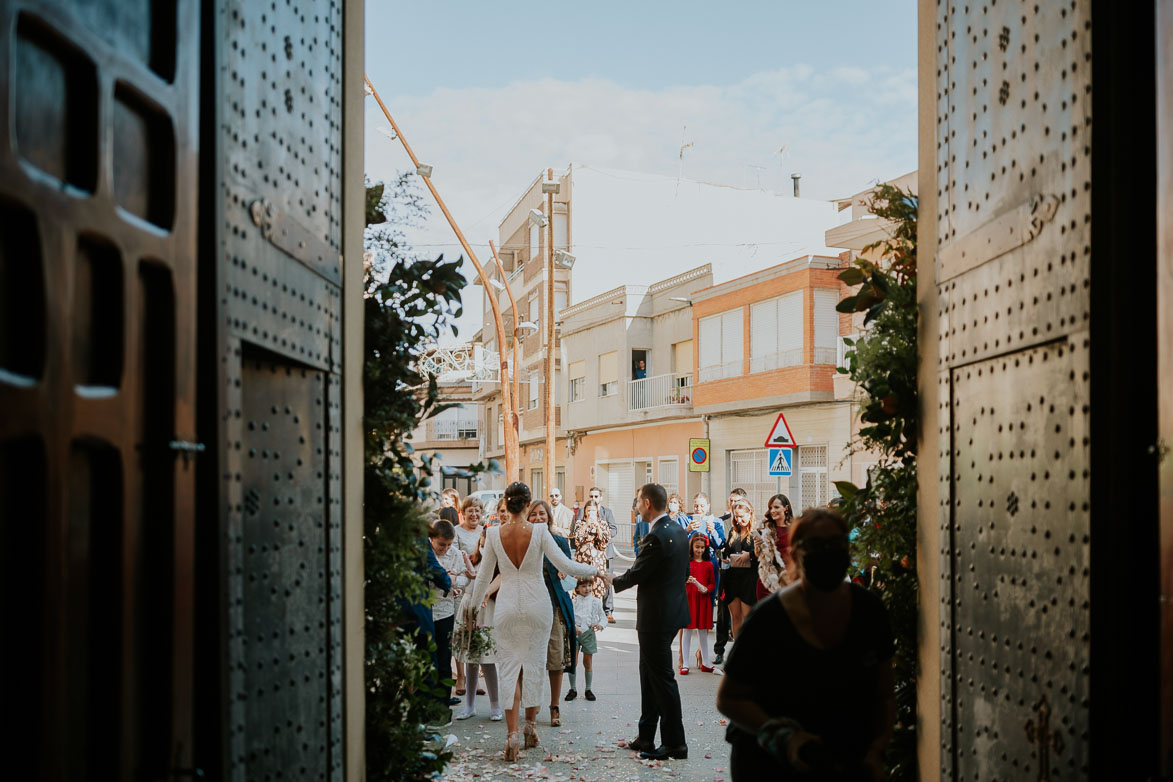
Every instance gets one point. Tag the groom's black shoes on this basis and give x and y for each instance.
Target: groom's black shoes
(641, 745)
(663, 753)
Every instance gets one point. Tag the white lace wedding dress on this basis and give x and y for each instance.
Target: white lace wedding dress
(523, 615)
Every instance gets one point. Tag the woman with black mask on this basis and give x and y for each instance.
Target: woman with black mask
(831, 718)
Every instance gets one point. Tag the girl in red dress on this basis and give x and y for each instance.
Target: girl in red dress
(700, 585)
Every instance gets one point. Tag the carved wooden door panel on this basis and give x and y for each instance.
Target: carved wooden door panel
(274, 305)
(1013, 143)
(98, 175)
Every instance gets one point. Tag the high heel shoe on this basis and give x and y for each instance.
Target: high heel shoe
(531, 733)
(512, 746)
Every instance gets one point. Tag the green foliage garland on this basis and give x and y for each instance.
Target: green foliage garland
(883, 364)
(407, 302)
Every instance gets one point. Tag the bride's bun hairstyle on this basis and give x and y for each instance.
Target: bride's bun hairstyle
(517, 497)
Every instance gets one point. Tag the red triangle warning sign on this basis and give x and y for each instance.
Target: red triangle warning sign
(780, 435)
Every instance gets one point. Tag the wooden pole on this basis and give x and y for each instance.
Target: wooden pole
(551, 411)
(512, 466)
(515, 415)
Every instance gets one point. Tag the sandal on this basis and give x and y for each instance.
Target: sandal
(512, 746)
(461, 691)
(480, 691)
(531, 733)
(555, 717)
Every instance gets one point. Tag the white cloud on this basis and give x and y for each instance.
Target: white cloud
(842, 128)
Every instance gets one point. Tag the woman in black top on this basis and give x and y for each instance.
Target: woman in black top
(830, 717)
(739, 583)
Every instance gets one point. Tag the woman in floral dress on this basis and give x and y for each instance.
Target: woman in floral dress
(591, 535)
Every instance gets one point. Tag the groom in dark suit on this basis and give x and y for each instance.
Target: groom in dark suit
(660, 571)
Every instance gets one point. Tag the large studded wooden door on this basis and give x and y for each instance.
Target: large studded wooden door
(274, 277)
(1013, 148)
(98, 170)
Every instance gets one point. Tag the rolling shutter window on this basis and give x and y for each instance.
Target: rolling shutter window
(561, 227)
(790, 329)
(732, 343)
(609, 373)
(682, 357)
(620, 491)
(763, 336)
(710, 348)
(535, 241)
(533, 392)
(577, 369)
(826, 325)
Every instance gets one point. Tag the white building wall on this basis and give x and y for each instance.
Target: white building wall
(632, 227)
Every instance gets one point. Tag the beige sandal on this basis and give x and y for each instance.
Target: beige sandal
(555, 717)
(530, 731)
(512, 746)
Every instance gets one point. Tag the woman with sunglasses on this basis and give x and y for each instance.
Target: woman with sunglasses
(832, 718)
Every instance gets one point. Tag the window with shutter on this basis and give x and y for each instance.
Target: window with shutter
(535, 241)
(668, 475)
(609, 373)
(577, 376)
(682, 357)
(722, 345)
(561, 228)
(763, 336)
(790, 328)
(710, 348)
(732, 343)
(533, 392)
(826, 325)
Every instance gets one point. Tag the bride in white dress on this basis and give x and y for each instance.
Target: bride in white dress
(522, 617)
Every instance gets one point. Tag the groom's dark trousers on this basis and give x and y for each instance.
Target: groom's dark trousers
(660, 571)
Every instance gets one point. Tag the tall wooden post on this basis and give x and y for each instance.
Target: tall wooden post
(551, 416)
(515, 377)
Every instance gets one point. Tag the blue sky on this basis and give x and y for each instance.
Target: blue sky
(491, 94)
(419, 46)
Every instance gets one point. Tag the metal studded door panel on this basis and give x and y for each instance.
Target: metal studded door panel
(278, 271)
(98, 183)
(1020, 561)
(1012, 273)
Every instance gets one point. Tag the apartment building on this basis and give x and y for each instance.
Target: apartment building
(628, 406)
(768, 343)
(624, 229)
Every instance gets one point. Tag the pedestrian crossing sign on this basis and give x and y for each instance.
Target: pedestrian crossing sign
(780, 435)
(781, 461)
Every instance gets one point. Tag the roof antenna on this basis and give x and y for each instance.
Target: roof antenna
(683, 146)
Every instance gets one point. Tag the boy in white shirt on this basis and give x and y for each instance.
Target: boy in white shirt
(440, 535)
(588, 620)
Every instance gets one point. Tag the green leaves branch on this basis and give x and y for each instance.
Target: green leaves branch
(883, 363)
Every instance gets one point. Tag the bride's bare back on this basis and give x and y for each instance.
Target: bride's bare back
(515, 540)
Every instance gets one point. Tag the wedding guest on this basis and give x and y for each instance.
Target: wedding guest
(700, 586)
(833, 717)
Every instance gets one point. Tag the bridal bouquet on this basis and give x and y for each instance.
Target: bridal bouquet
(477, 641)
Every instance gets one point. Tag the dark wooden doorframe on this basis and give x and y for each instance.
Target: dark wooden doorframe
(1125, 641)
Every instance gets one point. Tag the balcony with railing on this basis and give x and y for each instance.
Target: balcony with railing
(671, 390)
(454, 424)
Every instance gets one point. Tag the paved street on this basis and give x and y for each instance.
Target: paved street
(587, 746)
